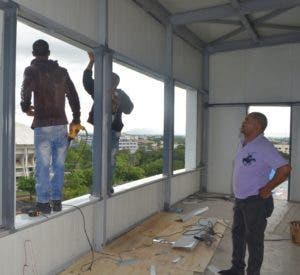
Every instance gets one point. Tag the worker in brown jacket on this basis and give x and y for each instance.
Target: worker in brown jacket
(50, 84)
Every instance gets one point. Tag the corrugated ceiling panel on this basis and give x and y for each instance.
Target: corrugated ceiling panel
(80, 16)
(224, 122)
(290, 17)
(210, 31)
(244, 35)
(265, 32)
(181, 6)
(257, 75)
(187, 64)
(134, 33)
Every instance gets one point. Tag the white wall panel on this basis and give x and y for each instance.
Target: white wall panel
(183, 185)
(131, 207)
(295, 155)
(135, 34)
(47, 247)
(256, 75)
(223, 140)
(187, 63)
(80, 16)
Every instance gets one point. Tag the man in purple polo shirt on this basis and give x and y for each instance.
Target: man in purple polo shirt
(253, 163)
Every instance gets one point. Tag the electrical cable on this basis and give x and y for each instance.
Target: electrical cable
(90, 264)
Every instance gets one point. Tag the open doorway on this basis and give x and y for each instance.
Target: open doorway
(278, 132)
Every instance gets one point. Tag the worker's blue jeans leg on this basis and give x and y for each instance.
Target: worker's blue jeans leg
(250, 221)
(51, 145)
(115, 138)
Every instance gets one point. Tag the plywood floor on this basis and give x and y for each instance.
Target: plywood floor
(135, 253)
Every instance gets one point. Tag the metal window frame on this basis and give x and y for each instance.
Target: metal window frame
(8, 115)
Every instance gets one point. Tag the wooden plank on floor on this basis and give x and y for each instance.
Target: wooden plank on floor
(134, 252)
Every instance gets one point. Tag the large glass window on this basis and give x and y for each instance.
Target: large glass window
(179, 128)
(141, 141)
(78, 165)
(185, 129)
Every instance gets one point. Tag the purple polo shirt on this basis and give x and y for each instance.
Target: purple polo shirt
(252, 166)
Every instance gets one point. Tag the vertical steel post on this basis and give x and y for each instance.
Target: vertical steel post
(168, 117)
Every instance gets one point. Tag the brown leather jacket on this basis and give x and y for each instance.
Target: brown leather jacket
(50, 84)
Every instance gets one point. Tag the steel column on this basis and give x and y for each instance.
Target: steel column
(204, 141)
(168, 118)
(8, 117)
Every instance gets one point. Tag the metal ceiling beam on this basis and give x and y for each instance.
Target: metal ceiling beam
(245, 20)
(280, 27)
(227, 35)
(264, 42)
(222, 11)
(154, 8)
(224, 22)
(257, 22)
(270, 15)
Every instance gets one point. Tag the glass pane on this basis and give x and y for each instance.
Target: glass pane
(179, 129)
(141, 143)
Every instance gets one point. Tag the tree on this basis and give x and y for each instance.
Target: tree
(27, 184)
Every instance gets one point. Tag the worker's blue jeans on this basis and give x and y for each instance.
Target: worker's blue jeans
(249, 224)
(51, 145)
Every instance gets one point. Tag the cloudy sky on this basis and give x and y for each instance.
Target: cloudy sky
(146, 93)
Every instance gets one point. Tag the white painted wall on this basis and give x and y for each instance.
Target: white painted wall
(47, 247)
(256, 75)
(183, 185)
(294, 193)
(131, 207)
(77, 15)
(187, 64)
(137, 35)
(223, 140)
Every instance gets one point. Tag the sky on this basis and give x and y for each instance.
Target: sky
(278, 120)
(145, 92)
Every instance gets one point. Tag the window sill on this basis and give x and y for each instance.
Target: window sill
(23, 220)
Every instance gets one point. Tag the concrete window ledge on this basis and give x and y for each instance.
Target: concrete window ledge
(23, 220)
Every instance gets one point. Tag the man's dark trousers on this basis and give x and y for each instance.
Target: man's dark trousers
(249, 224)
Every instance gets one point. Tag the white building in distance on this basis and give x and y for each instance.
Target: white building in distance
(128, 142)
(24, 150)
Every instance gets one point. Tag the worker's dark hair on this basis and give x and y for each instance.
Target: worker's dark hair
(40, 48)
(115, 79)
(261, 118)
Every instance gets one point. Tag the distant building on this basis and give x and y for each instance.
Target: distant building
(24, 150)
(128, 142)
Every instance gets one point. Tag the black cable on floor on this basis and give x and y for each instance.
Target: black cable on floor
(90, 265)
